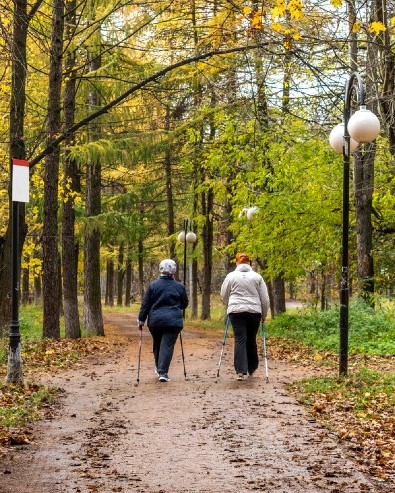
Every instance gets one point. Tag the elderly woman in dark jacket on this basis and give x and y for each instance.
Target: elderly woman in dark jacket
(164, 303)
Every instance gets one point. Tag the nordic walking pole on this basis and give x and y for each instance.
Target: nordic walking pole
(223, 345)
(140, 341)
(264, 350)
(183, 357)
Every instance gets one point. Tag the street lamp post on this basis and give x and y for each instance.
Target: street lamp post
(185, 238)
(19, 193)
(14, 370)
(362, 127)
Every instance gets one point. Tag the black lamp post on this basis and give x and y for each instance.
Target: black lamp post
(14, 371)
(185, 238)
(185, 228)
(19, 193)
(362, 127)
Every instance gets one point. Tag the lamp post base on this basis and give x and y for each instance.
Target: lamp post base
(14, 369)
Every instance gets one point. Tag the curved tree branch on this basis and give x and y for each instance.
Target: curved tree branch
(136, 87)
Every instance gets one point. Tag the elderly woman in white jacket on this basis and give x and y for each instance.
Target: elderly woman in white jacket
(245, 294)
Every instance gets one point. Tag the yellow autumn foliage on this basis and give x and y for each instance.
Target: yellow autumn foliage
(356, 27)
(377, 27)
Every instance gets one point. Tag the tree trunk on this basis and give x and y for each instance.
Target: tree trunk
(51, 281)
(110, 283)
(364, 187)
(92, 314)
(352, 36)
(169, 190)
(363, 192)
(17, 150)
(387, 75)
(128, 282)
(207, 240)
(271, 297)
(229, 238)
(25, 286)
(194, 290)
(323, 291)
(141, 268)
(37, 290)
(120, 274)
(278, 295)
(72, 186)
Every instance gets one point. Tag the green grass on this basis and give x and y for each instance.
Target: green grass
(366, 393)
(30, 328)
(133, 308)
(371, 331)
(22, 404)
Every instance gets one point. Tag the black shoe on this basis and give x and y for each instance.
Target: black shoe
(163, 377)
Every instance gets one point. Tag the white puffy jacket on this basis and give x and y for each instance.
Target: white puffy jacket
(244, 290)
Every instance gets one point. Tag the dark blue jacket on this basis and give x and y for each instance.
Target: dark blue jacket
(163, 303)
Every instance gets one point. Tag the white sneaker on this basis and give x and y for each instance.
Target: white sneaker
(240, 376)
(163, 377)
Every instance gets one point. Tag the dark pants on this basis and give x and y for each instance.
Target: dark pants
(245, 328)
(164, 339)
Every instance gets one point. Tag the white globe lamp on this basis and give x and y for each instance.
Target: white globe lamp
(364, 126)
(251, 212)
(336, 138)
(181, 237)
(191, 237)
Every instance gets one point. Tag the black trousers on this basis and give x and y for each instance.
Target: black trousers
(164, 340)
(245, 328)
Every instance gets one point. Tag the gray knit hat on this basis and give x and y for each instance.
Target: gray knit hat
(167, 266)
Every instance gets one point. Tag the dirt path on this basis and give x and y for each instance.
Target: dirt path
(197, 435)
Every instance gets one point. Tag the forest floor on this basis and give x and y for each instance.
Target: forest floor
(199, 434)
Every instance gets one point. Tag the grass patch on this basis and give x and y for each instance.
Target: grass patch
(371, 331)
(20, 405)
(366, 393)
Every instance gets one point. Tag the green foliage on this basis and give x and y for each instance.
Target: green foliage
(371, 331)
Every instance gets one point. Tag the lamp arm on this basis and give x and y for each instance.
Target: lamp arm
(349, 86)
